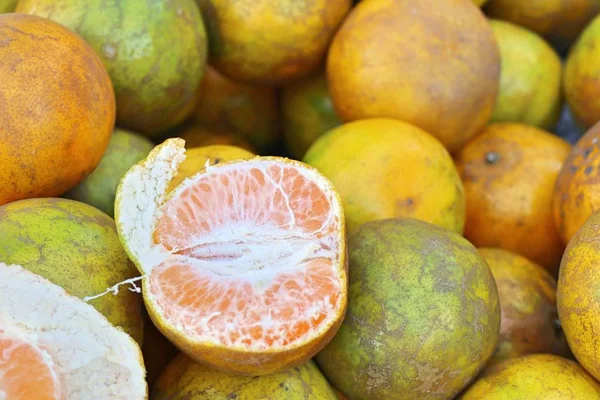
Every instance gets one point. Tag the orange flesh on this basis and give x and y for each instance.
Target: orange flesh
(24, 373)
(255, 251)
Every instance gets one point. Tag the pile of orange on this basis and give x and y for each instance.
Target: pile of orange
(294, 199)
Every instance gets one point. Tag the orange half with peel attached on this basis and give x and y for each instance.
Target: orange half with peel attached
(244, 263)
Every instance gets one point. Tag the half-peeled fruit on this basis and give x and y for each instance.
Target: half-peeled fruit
(54, 346)
(244, 263)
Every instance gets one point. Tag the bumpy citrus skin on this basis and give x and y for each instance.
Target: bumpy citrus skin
(58, 112)
(582, 76)
(560, 21)
(270, 42)
(196, 160)
(7, 6)
(509, 172)
(530, 78)
(186, 379)
(367, 159)
(198, 136)
(438, 74)
(527, 292)
(538, 376)
(577, 190)
(154, 51)
(423, 314)
(578, 298)
(307, 113)
(98, 189)
(74, 246)
(246, 110)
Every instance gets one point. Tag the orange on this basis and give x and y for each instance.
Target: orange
(245, 110)
(508, 172)
(306, 113)
(560, 21)
(529, 322)
(433, 63)
(270, 42)
(54, 346)
(384, 168)
(582, 76)
(198, 136)
(244, 262)
(58, 106)
(577, 191)
(578, 298)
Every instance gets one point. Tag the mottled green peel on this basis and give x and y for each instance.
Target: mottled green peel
(100, 187)
(74, 246)
(154, 51)
(423, 314)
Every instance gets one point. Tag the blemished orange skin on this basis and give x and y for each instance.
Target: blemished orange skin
(247, 110)
(508, 173)
(577, 190)
(529, 322)
(270, 42)
(432, 63)
(58, 108)
(198, 136)
(560, 21)
(578, 297)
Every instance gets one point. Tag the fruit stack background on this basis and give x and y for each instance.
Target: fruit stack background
(462, 137)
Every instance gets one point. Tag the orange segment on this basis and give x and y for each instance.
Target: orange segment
(255, 256)
(25, 373)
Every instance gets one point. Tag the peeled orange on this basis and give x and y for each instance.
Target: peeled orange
(54, 346)
(244, 263)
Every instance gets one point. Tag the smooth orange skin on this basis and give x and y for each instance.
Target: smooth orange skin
(509, 201)
(529, 318)
(198, 136)
(560, 21)
(226, 105)
(58, 108)
(577, 191)
(578, 297)
(432, 63)
(270, 42)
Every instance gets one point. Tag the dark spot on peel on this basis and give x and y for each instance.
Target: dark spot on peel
(491, 157)
(588, 170)
(217, 160)
(587, 152)
(573, 169)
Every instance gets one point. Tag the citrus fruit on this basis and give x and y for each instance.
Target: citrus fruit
(530, 78)
(158, 352)
(441, 74)
(270, 42)
(100, 187)
(385, 168)
(224, 105)
(184, 378)
(480, 2)
(423, 314)
(197, 158)
(577, 295)
(154, 52)
(75, 246)
(537, 376)
(7, 6)
(529, 322)
(307, 113)
(582, 76)
(58, 105)
(244, 262)
(558, 21)
(577, 193)
(198, 136)
(508, 172)
(56, 347)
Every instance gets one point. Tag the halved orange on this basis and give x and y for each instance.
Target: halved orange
(245, 261)
(54, 346)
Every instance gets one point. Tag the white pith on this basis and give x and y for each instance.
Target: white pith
(248, 248)
(93, 359)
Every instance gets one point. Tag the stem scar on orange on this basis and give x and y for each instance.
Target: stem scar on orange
(245, 261)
